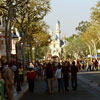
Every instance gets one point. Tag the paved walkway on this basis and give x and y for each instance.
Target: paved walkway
(85, 91)
(18, 95)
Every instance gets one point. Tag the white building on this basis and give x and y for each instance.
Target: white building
(57, 43)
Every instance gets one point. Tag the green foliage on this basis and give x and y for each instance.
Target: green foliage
(89, 39)
(75, 48)
(43, 52)
(37, 32)
(31, 11)
(83, 25)
(95, 14)
(27, 16)
(91, 34)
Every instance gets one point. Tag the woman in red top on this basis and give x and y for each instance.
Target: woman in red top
(31, 76)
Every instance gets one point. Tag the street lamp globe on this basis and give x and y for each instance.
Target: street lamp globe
(15, 39)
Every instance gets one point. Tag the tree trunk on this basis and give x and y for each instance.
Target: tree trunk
(6, 38)
(75, 55)
(23, 49)
(10, 39)
(95, 49)
(31, 52)
(35, 53)
(90, 51)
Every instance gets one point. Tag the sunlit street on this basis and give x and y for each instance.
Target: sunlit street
(49, 49)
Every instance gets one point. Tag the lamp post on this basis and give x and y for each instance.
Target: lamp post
(15, 43)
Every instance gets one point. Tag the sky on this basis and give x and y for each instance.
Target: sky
(69, 13)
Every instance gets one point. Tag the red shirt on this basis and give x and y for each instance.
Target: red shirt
(96, 62)
(31, 75)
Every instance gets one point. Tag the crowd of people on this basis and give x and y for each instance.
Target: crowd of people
(89, 64)
(54, 71)
(14, 75)
(63, 72)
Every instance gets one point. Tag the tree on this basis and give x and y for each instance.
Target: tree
(43, 51)
(83, 25)
(91, 38)
(95, 14)
(22, 13)
(38, 34)
(8, 11)
(30, 11)
(75, 47)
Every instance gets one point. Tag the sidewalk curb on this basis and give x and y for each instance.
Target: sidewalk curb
(21, 94)
(88, 82)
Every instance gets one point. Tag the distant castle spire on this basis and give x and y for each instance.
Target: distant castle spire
(58, 22)
(58, 29)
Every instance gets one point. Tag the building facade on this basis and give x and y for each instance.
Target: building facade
(2, 38)
(57, 43)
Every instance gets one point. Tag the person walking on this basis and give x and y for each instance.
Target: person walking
(9, 80)
(74, 70)
(96, 64)
(14, 68)
(20, 73)
(31, 76)
(58, 75)
(5, 68)
(65, 74)
(90, 63)
(45, 78)
(50, 76)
